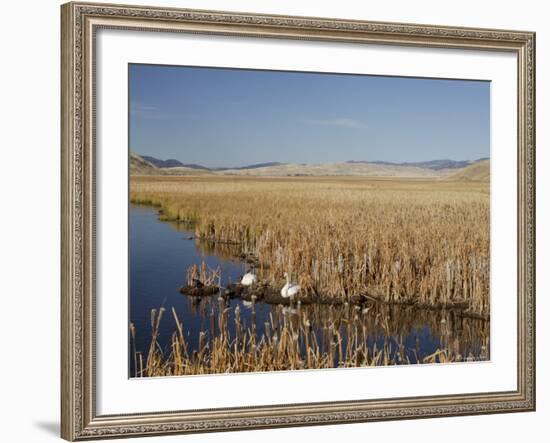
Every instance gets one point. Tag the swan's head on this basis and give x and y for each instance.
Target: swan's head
(285, 274)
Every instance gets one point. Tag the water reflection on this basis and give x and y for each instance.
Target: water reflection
(408, 335)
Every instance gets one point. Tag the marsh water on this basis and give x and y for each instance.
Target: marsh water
(161, 252)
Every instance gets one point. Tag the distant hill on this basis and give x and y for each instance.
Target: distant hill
(448, 169)
(478, 171)
(253, 166)
(170, 163)
(173, 163)
(336, 169)
(140, 166)
(436, 165)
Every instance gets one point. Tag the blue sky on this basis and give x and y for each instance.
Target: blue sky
(232, 117)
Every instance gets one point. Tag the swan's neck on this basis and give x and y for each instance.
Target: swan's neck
(288, 279)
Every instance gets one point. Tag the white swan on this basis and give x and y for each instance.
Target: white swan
(249, 278)
(290, 289)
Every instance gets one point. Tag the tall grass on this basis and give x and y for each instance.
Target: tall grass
(345, 337)
(204, 274)
(397, 240)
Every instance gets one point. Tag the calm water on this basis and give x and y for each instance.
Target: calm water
(161, 253)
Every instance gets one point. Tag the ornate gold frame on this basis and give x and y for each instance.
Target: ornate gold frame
(80, 21)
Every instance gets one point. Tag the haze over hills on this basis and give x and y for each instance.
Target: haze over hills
(336, 169)
(436, 165)
(452, 169)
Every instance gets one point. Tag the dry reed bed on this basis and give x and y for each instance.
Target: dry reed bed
(455, 329)
(288, 341)
(399, 240)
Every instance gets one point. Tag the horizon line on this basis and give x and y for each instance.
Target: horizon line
(281, 163)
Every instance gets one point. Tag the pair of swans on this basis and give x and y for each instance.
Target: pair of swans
(289, 290)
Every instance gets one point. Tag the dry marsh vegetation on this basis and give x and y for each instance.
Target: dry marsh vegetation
(397, 240)
(342, 337)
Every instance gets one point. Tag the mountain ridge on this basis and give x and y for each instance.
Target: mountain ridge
(475, 170)
(435, 165)
(171, 163)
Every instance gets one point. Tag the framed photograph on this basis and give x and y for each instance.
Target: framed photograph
(282, 221)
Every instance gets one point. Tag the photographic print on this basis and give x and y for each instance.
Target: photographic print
(283, 211)
(300, 220)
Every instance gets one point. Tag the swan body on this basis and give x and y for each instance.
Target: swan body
(249, 279)
(290, 289)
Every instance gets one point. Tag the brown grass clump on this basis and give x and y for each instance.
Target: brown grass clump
(399, 240)
(203, 274)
